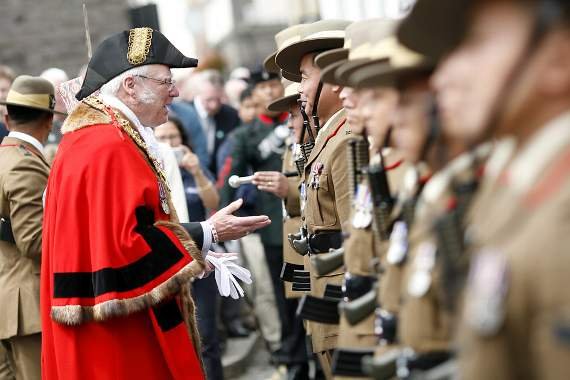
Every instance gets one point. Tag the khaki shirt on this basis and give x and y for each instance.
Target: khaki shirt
(23, 179)
(327, 207)
(517, 306)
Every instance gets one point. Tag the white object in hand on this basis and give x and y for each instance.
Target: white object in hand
(226, 272)
(236, 181)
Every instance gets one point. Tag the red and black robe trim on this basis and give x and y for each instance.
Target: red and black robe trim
(164, 255)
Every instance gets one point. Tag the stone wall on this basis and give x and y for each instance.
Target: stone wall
(38, 34)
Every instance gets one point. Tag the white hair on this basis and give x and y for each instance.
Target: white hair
(55, 75)
(112, 87)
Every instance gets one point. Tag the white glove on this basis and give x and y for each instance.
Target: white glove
(226, 271)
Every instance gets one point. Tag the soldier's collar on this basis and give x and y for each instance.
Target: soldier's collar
(534, 157)
(29, 139)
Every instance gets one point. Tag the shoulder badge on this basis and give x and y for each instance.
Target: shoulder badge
(486, 292)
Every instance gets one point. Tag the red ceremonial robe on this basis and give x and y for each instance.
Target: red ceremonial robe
(113, 264)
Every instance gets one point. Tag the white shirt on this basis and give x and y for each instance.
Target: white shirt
(208, 124)
(29, 139)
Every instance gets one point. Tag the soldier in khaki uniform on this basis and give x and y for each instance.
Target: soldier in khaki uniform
(325, 202)
(356, 336)
(516, 308)
(285, 185)
(23, 177)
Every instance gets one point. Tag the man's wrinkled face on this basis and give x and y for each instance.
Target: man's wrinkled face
(154, 94)
(411, 119)
(469, 82)
(268, 91)
(211, 97)
(310, 78)
(350, 102)
(378, 106)
(295, 122)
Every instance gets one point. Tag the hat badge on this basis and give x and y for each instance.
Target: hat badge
(139, 45)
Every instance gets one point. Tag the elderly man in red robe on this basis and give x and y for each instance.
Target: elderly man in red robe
(116, 263)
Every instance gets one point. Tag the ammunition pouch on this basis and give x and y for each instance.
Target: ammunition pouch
(410, 362)
(383, 367)
(6, 233)
(359, 309)
(327, 262)
(348, 362)
(324, 241)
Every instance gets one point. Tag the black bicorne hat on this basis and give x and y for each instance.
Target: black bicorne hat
(125, 50)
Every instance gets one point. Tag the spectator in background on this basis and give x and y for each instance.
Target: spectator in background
(56, 77)
(200, 196)
(248, 106)
(235, 85)
(216, 118)
(6, 79)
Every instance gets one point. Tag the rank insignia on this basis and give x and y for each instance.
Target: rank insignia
(486, 292)
(421, 278)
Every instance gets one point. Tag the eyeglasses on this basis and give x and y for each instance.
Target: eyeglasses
(169, 82)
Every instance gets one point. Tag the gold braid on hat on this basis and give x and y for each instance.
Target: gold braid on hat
(139, 45)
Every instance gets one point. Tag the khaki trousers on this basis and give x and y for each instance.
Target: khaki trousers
(23, 357)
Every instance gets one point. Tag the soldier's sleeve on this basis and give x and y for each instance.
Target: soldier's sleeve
(24, 187)
(339, 172)
(238, 166)
(292, 200)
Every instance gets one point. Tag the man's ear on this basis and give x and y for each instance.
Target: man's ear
(128, 85)
(7, 121)
(337, 89)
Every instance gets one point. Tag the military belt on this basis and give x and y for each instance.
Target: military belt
(320, 310)
(288, 270)
(333, 292)
(6, 233)
(356, 286)
(324, 241)
(348, 362)
(300, 287)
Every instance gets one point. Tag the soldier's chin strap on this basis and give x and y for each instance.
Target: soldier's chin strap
(547, 14)
(433, 131)
(315, 113)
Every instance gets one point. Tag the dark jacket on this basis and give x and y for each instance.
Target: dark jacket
(227, 119)
(257, 147)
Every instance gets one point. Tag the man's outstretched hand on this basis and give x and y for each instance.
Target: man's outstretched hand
(231, 227)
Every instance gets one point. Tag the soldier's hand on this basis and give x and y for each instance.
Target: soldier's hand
(231, 227)
(272, 182)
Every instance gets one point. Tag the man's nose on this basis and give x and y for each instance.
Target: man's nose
(174, 92)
